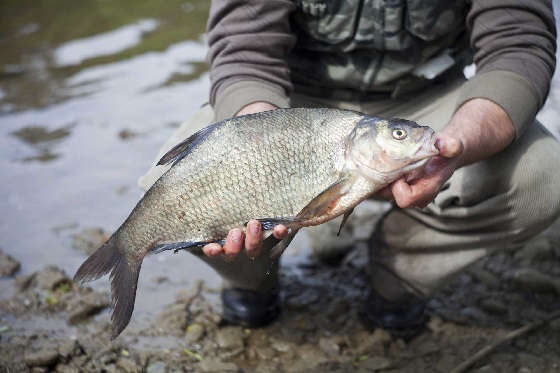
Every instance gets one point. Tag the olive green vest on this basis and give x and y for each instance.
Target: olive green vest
(369, 46)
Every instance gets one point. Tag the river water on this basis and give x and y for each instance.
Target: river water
(89, 91)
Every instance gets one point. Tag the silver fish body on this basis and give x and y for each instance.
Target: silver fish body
(298, 167)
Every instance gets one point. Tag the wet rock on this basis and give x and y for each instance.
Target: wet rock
(50, 278)
(156, 367)
(68, 349)
(330, 346)
(217, 366)
(8, 265)
(195, 332)
(494, 306)
(89, 239)
(60, 368)
(280, 345)
(230, 337)
(473, 313)
(485, 277)
(532, 280)
(375, 363)
(83, 306)
(43, 357)
(173, 319)
(128, 365)
(367, 343)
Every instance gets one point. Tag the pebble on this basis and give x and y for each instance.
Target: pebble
(494, 306)
(89, 240)
(533, 280)
(128, 365)
(8, 265)
(217, 366)
(156, 367)
(329, 346)
(195, 332)
(230, 337)
(375, 363)
(43, 357)
(82, 307)
(50, 278)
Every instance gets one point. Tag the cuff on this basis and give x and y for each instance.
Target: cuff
(511, 91)
(233, 97)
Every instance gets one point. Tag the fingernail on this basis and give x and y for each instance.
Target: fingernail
(236, 235)
(255, 228)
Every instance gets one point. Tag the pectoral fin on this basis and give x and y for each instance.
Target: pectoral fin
(326, 201)
(344, 219)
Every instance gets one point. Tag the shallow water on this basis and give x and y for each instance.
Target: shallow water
(87, 97)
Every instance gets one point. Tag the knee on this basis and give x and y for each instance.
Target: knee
(534, 195)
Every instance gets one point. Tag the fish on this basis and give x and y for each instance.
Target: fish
(298, 167)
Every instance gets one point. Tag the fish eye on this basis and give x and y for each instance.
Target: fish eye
(399, 134)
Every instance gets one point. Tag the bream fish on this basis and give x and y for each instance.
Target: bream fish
(298, 167)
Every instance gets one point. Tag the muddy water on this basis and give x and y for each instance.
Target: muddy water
(88, 93)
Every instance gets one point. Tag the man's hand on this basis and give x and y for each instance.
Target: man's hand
(478, 130)
(236, 239)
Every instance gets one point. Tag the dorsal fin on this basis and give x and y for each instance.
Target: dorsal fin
(182, 149)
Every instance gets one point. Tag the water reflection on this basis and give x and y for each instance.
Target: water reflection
(43, 140)
(76, 51)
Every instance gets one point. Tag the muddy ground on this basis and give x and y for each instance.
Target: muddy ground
(49, 324)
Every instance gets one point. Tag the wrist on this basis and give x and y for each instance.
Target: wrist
(483, 127)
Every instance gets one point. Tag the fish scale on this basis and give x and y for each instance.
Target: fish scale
(298, 167)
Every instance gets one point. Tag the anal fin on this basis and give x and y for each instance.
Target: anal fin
(185, 245)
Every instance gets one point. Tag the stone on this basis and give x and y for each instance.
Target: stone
(89, 240)
(50, 277)
(230, 337)
(494, 306)
(367, 343)
(532, 280)
(8, 265)
(68, 348)
(156, 367)
(83, 306)
(128, 365)
(329, 346)
(195, 332)
(485, 277)
(375, 363)
(43, 357)
(217, 366)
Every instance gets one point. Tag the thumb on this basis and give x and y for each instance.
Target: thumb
(448, 146)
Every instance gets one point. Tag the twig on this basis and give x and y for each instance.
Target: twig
(508, 337)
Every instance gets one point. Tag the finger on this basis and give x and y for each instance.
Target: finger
(234, 242)
(253, 239)
(212, 249)
(402, 193)
(280, 231)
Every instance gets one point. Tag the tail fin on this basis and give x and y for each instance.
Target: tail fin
(124, 279)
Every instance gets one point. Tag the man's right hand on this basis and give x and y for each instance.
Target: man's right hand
(236, 239)
(252, 240)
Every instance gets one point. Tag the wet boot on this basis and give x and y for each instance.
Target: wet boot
(403, 319)
(249, 308)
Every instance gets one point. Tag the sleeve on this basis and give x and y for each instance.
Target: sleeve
(249, 41)
(514, 44)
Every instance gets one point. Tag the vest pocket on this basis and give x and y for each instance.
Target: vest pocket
(327, 21)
